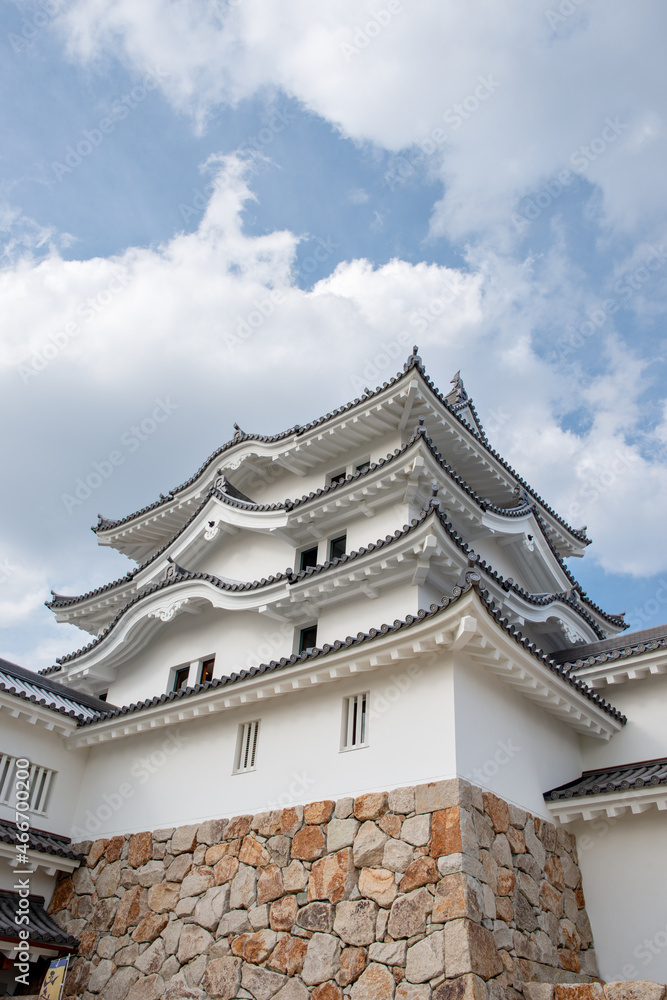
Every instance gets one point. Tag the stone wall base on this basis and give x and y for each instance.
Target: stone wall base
(432, 892)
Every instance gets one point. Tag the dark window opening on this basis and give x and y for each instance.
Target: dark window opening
(337, 547)
(207, 671)
(308, 638)
(338, 477)
(181, 678)
(364, 465)
(309, 558)
(103, 696)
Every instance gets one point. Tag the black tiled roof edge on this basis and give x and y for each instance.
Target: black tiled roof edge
(42, 928)
(60, 601)
(619, 652)
(621, 778)
(49, 687)
(471, 579)
(292, 577)
(39, 840)
(413, 362)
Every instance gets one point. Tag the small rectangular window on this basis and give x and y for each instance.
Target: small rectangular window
(246, 749)
(308, 638)
(181, 678)
(337, 477)
(206, 674)
(337, 547)
(308, 558)
(354, 721)
(37, 785)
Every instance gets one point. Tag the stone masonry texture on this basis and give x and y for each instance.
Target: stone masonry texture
(433, 892)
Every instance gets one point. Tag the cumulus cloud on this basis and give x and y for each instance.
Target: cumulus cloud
(502, 97)
(182, 326)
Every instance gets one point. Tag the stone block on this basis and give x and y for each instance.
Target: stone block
(417, 830)
(378, 884)
(402, 800)
(397, 855)
(355, 921)
(151, 960)
(426, 959)
(193, 941)
(149, 988)
(333, 877)
(97, 849)
(162, 898)
(353, 961)
(291, 820)
(421, 871)
(578, 991)
(500, 850)
(150, 874)
(288, 956)
(120, 984)
(258, 917)
(327, 991)
(390, 953)
(150, 927)
(446, 832)
(408, 914)
(293, 990)
(533, 843)
(498, 812)
(322, 959)
(108, 880)
(370, 806)
(244, 889)
(340, 834)
(295, 877)
(413, 991)
(516, 840)
(369, 845)
(375, 983)
(234, 922)
(184, 840)
(538, 991)
(211, 831)
(224, 871)
(641, 989)
(317, 813)
(261, 983)
(253, 853)
(316, 917)
(222, 978)
(238, 828)
(129, 912)
(390, 824)
(114, 848)
(140, 849)
(283, 913)
(178, 868)
(457, 896)
(470, 948)
(309, 844)
(270, 884)
(211, 906)
(344, 808)
(436, 795)
(255, 948)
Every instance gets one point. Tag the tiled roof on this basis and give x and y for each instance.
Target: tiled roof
(40, 840)
(471, 578)
(524, 507)
(50, 694)
(413, 362)
(43, 929)
(613, 779)
(176, 574)
(629, 644)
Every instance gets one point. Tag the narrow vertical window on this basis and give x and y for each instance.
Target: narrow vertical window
(308, 638)
(354, 727)
(207, 670)
(337, 547)
(308, 558)
(181, 678)
(246, 750)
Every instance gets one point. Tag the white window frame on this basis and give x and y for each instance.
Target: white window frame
(247, 740)
(40, 781)
(354, 728)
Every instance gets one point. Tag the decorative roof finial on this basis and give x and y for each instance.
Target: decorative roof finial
(415, 351)
(412, 360)
(459, 389)
(238, 433)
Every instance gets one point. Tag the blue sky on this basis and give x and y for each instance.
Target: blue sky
(166, 166)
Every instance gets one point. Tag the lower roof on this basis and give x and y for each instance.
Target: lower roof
(40, 840)
(627, 641)
(609, 780)
(50, 694)
(44, 931)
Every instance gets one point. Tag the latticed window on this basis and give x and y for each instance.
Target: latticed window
(355, 723)
(246, 750)
(37, 784)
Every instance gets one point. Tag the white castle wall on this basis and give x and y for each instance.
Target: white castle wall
(625, 881)
(644, 736)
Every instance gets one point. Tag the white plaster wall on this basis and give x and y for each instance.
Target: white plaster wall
(508, 744)
(145, 782)
(625, 885)
(238, 639)
(41, 884)
(21, 739)
(247, 556)
(644, 737)
(364, 613)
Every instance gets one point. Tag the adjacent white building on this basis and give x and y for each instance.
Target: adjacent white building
(371, 600)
